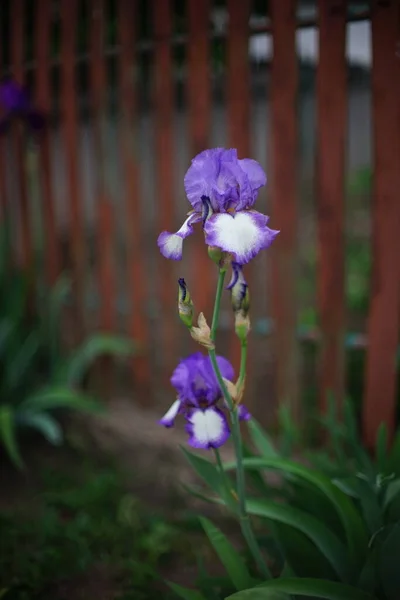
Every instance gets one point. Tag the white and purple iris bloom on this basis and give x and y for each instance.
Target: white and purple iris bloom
(198, 397)
(222, 190)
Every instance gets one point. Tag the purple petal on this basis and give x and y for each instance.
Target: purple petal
(254, 172)
(207, 428)
(184, 376)
(243, 234)
(243, 413)
(169, 417)
(201, 175)
(171, 244)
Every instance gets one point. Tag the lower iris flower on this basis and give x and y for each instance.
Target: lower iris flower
(200, 401)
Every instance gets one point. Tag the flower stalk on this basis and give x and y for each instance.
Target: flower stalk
(245, 524)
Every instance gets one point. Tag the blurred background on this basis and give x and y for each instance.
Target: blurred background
(103, 104)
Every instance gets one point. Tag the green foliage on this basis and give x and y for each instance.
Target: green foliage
(82, 522)
(38, 377)
(333, 524)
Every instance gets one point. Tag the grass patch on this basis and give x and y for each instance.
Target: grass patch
(85, 536)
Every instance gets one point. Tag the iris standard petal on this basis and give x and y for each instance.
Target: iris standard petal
(169, 417)
(183, 376)
(171, 244)
(254, 172)
(202, 175)
(207, 428)
(243, 234)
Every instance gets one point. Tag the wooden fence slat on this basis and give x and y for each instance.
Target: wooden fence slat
(331, 151)
(383, 323)
(198, 94)
(70, 133)
(137, 282)
(238, 108)
(103, 205)
(284, 200)
(164, 155)
(3, 153)
(43, 101)
(17, 62)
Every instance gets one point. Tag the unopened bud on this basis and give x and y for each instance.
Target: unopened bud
(222, 259)
(240, 296)
(242, 326)
(185, 304)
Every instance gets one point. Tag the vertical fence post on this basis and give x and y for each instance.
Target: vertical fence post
(383, 322)
(17, 59)
(331, 149)
(138, 288)
(284, 200)
(70, 130)
(105, 248)
(43, 99)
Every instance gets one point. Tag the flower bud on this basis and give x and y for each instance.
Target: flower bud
(222, 259)
(185, 304)
(240, 297)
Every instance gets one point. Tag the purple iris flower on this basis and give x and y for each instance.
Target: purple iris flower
(198, 397)
(222, 190)
(15, 103)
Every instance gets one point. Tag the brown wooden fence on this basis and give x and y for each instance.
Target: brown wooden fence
(148, 279)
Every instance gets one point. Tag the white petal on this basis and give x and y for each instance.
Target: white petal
(169, 417)
(243, 234)
(171, 244)
(207, 428)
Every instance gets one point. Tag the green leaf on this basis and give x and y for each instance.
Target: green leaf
(389, 564)
(43, 423)
(381, 447)
(323, 538)
(362, 490)
(98, 345)
(302, 558)
(185, 593)
(392, 490)
(356, 535)
(22, 362)
(261, 439)
(8, 435)
(315, 588)
(230, 558)
(60, 397)
(393, 465)
(210, 474)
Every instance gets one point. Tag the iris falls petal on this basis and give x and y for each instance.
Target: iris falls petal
(171, 244)
(169, 417)
(207, 428)
(243, 234)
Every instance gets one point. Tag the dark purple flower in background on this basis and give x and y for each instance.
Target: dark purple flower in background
(222, 190)
(15, 103)
(198, 397)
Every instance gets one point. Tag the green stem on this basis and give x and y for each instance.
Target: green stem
(245, 524)
(217, 304)
(243, 362)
